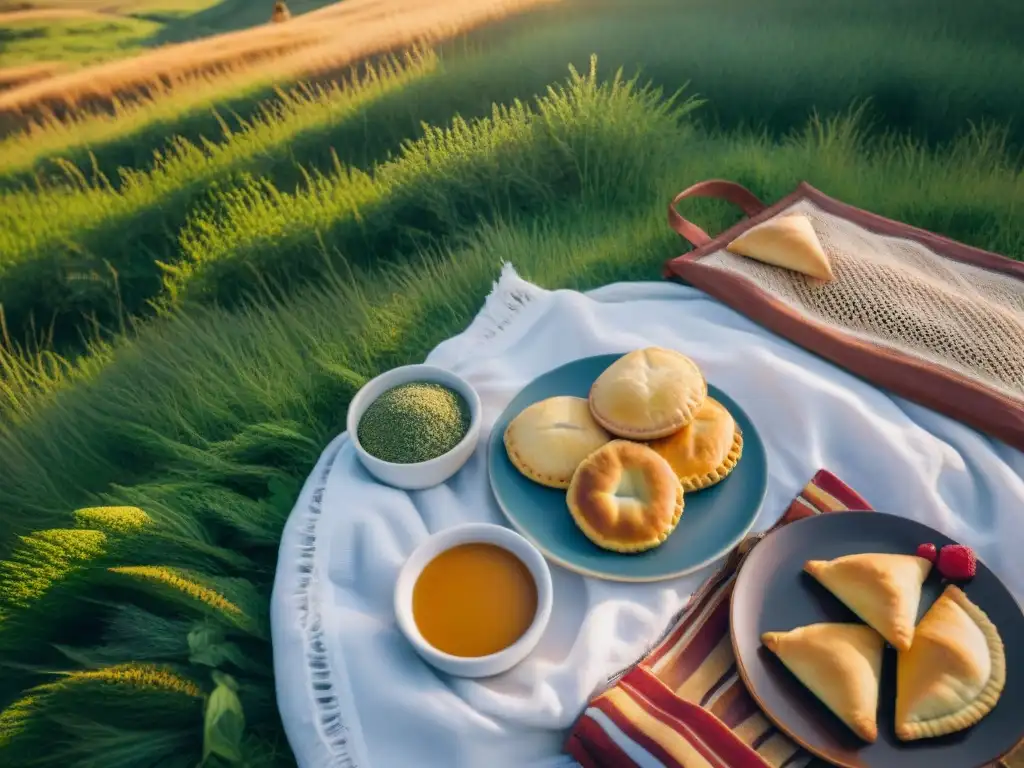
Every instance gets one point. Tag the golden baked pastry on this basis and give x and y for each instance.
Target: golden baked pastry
(953, 674)
(648, 393)
(706, 450)
(884, 590)
(786, 241)
(549, 439)
(625, 497)
(841, 664)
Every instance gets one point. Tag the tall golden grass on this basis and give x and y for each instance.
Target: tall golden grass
(315, 42)
(50, 14)
(16, 77)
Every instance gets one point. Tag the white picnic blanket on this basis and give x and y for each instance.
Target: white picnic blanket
(352, 692)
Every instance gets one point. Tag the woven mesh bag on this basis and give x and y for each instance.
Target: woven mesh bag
(928, 318)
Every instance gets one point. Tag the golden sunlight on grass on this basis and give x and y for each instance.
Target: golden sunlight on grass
(50, 14)
(16, 77)
(315, 42)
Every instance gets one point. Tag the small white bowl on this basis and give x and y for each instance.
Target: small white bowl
(484, 533)
(424, 474)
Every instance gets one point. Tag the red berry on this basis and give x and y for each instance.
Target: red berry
(957, 562)
(927, 551)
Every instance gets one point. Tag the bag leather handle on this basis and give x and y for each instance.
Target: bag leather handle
(719, 189)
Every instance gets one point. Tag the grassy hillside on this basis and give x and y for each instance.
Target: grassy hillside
(76, 33)
(308, 45)
(926, 65)
(86, 39)
(122, 236)
(275, 254)
(65, 274)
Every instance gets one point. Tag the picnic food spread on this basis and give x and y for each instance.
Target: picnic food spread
(953, 674)
(474, 600)
(624, 494)
(548, 440)
(841, 664)
(625, 497)
(950, 670)
(789, 242)
(414, 422)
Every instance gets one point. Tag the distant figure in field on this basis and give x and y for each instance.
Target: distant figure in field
(281, 12)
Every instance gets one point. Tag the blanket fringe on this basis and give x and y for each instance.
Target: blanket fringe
(334, 733)
(509, 296)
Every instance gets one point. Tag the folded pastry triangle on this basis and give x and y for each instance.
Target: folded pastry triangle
(785, 241)
(883, 590)
(953, 674)
(841, 664)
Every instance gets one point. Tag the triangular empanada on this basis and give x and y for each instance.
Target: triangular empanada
(786, 241)
(953, 674)
(884, 590)
(841, 664)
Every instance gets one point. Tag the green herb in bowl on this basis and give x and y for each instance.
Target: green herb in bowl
(414, 422)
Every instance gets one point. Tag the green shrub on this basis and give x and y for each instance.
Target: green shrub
(84, 254)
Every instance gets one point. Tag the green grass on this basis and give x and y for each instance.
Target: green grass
(77, 255)
(926, 65)
(124, 28)
(78, 41)
(200, 426)
(88, 209)
(63, 273)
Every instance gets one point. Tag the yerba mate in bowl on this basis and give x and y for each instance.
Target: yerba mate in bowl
(415, 426)
(414, 422)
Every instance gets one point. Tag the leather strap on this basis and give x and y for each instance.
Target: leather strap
(718, 189)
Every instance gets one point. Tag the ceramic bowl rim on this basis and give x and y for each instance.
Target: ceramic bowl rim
(432, 374)
(485, 533)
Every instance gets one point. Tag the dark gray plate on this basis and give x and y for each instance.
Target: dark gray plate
(772, 593)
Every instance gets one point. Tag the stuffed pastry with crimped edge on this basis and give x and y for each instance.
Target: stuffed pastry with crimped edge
(841, 664)
(954, 672)
(648, 393)
(785, 241)
(549, 439)
(883, 590)
(706, 450)
(625, 498)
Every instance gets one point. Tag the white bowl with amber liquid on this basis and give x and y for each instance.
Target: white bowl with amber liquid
(474, 600)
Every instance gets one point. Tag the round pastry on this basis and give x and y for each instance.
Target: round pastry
(549, 439)
(954, 672)
(625, 497)
(706, 450)
(647, 394)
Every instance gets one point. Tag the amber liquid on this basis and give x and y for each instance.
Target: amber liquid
(474, 600)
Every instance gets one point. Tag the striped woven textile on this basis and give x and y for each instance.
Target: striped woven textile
(684, 705)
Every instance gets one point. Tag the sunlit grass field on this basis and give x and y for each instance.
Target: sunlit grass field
(183, 331)
(77, 33)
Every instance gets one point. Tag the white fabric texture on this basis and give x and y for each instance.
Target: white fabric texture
(350, 689)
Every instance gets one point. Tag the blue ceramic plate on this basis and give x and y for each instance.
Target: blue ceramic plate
(714, 520)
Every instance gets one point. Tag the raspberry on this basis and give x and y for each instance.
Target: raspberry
(927, 551)
(957, 562)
